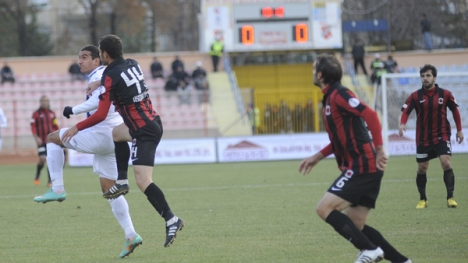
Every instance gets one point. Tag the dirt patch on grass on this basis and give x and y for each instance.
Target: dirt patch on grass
(23, 157)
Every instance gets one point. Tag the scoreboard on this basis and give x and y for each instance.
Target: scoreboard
(264, 25)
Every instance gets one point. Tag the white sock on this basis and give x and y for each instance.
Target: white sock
(172, 221)
(0, 144)
(55, 161)
(122, 181)
(122, 214)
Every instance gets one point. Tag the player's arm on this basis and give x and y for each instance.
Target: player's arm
(55, 123)
(307, 164)
(405, 112)
(453, 106)
(34, 131)
(89, 105)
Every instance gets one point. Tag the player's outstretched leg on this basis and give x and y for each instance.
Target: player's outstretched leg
(51, 196)
(173, 226)
(130, 245)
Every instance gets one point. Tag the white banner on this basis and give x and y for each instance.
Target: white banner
(270, 147)
(406, 144)
(168, 152)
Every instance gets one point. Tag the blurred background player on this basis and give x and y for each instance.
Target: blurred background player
(96, 140)
(43, 122)
(3, 124)
(433, 131)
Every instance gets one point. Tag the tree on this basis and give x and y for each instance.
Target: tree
(29, 40)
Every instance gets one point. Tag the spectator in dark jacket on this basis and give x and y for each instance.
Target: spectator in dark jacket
(358, 53)
(426, 30)
(7, 74)
(156, 69)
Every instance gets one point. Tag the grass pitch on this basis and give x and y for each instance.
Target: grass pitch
(236, 212)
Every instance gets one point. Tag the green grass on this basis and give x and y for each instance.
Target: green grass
(237, 212)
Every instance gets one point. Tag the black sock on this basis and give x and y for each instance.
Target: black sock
(38, 170)
(449, 180)
(390, 253)
(421, 180)
(158, 200)
(347, 229)
(122, 154)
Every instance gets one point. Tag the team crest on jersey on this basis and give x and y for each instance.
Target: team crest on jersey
(441, 100)
(353, 102)
(134, 142)
(405, 106)
(349, 173)
(327, 110)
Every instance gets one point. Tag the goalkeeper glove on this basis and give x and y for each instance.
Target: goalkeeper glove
(67, 111)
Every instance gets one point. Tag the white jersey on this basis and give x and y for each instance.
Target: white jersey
(91, 104)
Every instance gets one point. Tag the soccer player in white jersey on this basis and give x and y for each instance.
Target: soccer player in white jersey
(95, 140)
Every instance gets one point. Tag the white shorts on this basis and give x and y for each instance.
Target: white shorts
(101, 145)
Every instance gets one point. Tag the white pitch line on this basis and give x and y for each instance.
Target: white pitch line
(234, 187)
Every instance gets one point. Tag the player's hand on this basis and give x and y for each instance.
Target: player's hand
(66, 137)
(309, 163)
(92, 86)
(402, 129)
(38, 141)
(460, 137)
(67, 111)
(381, 158)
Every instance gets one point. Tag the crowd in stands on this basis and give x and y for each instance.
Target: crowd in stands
(282, 118)
(180, 82)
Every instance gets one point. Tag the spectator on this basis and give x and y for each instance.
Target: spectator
(7, 74)
(156, 69)
(309, 116)
(216, 51)
(75, 72)
(298, 118)
(391, 65)
(201, 83)
(3, 124)
(254, 118)
(426, 30)
(378, 69)
(177, 63)
(267, 119)
(358, 53)
(284, 113)
(180, 80)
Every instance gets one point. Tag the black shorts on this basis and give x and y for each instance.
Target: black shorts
(144, 143)
(42, 150)
(358, 189)
(426, 153)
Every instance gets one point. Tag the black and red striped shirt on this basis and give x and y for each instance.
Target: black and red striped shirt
(126, 88)
(43, 122)
(432, 125)
(347, 120)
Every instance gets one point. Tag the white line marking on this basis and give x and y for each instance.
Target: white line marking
(234, 187)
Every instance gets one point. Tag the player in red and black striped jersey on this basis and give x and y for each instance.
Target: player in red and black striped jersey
(43, 122)
(125, 87)
(433, 131)
(361, 160)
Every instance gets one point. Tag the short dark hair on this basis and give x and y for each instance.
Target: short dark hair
(330, 68)
(426, 68)
(423, 15)
(112, 45)
(92, 49)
